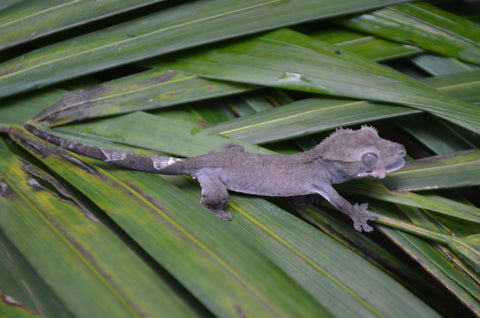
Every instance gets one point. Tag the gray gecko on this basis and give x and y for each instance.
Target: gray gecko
(344, 155)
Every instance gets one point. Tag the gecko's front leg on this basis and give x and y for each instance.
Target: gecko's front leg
(356, 212)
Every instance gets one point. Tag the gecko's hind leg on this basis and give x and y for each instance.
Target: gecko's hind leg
(214, 196)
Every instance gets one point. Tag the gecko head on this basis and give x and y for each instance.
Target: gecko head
(352, 154)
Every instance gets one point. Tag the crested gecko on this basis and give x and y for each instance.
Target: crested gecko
(344, 155)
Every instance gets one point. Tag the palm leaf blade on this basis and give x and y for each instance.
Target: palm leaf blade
(31, 19)
(77, 242)
(143, 245)
(305, 69)
(179, 27)
(424, 26)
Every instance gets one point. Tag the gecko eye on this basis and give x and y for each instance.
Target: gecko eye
(369, 159)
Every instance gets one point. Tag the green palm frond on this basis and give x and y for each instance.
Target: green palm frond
(82, 238)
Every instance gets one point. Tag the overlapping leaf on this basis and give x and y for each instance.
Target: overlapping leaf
(423, 25)
(30, 20)
(453, 170)
(66, 247)
(318, 114)
(436, 260)
(312, 66)
(225, 261)
(183, 26)
(281, 261)
(147, 90)
(306, 117)
(365, 45)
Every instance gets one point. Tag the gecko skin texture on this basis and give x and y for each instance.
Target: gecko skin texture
(345, 155)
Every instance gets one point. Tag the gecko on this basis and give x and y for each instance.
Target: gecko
(344, 155)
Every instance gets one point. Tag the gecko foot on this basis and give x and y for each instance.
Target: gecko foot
(360, 218)
(224, 215)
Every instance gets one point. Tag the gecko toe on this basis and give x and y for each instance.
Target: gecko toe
(224, 215)
(367, 228)
(361, 218)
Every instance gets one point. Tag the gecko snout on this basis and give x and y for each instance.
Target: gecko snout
(401, 150)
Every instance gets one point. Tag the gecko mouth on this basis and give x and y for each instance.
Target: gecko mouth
(397, 165)
(381, 172)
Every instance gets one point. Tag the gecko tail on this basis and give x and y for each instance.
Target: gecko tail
(153, 164)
